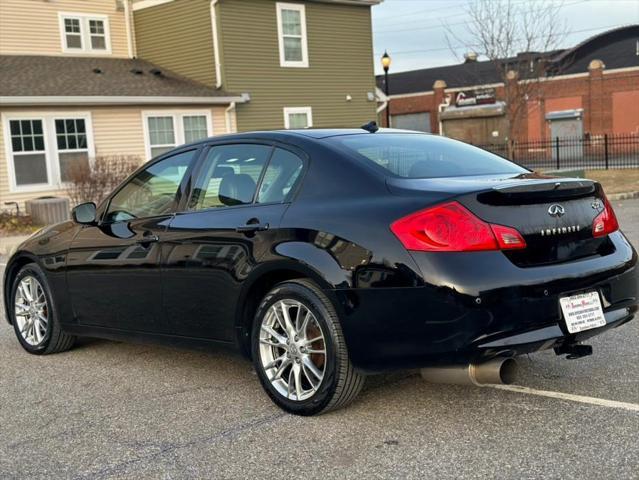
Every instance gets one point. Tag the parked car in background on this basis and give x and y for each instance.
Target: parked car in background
(324, 255)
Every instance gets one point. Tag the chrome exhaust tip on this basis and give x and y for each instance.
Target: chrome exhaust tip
(497, 371)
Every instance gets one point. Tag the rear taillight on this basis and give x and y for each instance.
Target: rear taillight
(450, 227)
(605, 222)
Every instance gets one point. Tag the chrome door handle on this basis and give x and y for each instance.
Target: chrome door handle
(147, 239)
(252, 227)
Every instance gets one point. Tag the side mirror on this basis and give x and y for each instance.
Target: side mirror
(84, 213)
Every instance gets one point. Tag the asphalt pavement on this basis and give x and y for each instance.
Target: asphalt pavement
(116, 410)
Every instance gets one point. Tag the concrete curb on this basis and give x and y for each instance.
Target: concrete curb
(623, 196)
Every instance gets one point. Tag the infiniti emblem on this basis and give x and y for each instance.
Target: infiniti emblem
(556, 210)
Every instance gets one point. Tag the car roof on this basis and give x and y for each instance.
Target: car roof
(308, 133)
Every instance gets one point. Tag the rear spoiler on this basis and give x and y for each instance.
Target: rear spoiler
(539, 191)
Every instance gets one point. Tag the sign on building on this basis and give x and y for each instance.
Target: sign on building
(466, 98)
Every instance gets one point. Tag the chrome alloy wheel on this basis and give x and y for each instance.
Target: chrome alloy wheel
(292, 349)
(31, 310)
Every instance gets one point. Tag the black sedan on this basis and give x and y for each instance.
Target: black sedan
(324, 255)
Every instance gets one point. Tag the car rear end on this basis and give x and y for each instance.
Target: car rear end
(512, 262)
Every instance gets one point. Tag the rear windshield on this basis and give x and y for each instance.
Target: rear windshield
(426, 156)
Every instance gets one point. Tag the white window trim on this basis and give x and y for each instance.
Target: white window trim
(52, 161)
(291, 110)
(85, 35)
(280, 37)
(178, 125)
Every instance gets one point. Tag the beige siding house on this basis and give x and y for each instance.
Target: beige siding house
(71, 91)
(84, 79)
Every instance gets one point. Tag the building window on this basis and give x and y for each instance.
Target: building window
(72, 33)
(291, 29)
(298, 117)
(165, 131)
(73, 147)
(42, 149)
(97, 34)
(161, 135)
(29, 153)
(84, 33)
(195, 128)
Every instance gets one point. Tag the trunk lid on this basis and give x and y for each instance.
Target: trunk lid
(554, 215)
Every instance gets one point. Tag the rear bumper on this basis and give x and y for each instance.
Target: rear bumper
(476, 306)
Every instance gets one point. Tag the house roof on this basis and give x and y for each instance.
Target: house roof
(616, 48)
(461, 75)
(127, 80)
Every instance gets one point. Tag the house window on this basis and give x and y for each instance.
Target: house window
(165, 131)
(291, 29)
(298, 117)
(72, 33)
(73, 147)
(161, 135)
(29, 152)
(97, 34)
(42, 150)
(84, 33)
(194, 128)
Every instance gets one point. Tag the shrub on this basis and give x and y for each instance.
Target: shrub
(93, 181)
(12, 224)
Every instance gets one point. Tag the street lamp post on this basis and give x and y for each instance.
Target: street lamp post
(386, 61)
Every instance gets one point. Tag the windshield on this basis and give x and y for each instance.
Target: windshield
(425, 156)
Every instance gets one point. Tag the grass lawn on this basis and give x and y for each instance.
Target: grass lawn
(616, 181)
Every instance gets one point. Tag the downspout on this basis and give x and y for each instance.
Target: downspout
(227, 117)
(130, 29)
(216, 45)
(442, 106)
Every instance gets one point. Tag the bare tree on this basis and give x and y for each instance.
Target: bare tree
(517, 37)
(93, 181)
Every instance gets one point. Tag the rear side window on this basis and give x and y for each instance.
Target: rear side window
(229, 176)
(426, 156)
(281, 176)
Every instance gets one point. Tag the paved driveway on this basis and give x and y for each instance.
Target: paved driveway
(115, 410)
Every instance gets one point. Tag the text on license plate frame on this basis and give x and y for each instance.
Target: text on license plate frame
(582, 311)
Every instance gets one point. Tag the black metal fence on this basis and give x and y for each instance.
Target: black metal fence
(589, 152)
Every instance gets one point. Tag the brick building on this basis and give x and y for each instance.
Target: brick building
(590, 89)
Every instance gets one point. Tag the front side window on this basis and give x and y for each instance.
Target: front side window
(28, 152)
(153, 191)
(291, 27)
(425, 156)
(82, 33)
(73, 147)
(166, 131)
(229, 176)
(298, 117)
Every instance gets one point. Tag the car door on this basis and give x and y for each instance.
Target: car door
(239, 197)
(113, 271)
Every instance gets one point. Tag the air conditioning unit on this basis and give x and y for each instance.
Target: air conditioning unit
(48, 210)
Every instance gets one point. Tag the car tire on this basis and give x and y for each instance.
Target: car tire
(41, 338)
(339, 383)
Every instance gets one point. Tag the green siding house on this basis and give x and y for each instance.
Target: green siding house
(295, 64)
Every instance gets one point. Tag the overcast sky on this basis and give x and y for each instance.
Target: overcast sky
(412, 30)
